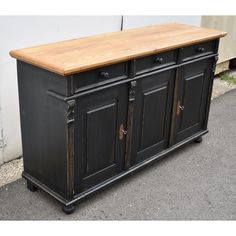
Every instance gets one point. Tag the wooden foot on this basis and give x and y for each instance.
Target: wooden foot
(68, 209)
(31, 187)
(198, 140)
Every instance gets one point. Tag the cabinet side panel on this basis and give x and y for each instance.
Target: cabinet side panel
(43, 126)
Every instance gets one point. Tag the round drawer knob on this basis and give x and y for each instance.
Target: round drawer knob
(104, 74)
(132, 92)
(159, 60)
(200, 49)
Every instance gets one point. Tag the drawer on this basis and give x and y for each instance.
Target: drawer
(156, 61)
(198, 50)
(100, 76)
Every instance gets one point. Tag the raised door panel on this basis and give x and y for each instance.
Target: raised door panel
(99, 153)
(100, 137)
(152, 114)
(194, 81)
(193, 88)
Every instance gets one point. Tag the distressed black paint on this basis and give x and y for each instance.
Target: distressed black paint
(71, 126)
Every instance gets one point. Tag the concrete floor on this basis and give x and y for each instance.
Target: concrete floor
(11, 171)
(220, 87)
(197, 182)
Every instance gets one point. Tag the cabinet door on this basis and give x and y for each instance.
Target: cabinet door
(152, 114)
(193, 88)
(99, 149)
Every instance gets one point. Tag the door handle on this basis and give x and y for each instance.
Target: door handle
(179, 108)
(122, 132)
(104, 75)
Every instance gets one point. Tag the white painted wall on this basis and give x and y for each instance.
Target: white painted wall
(139, 21)
(1, 139)
(24, 31)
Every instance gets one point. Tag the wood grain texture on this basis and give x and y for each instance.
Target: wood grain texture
(73, 56)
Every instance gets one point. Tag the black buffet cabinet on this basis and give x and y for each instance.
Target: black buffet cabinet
(84, 131)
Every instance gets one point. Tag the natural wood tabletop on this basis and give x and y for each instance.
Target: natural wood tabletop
(73, 56)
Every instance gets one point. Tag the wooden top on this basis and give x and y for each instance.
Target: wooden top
(73, 56)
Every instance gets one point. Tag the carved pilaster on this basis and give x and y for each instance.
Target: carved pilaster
(70, 111)
(70, 147)
(214, 64)
(132, 91)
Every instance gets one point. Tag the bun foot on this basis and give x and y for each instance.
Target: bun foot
(68, 209)
(31, 187)
(198, 140)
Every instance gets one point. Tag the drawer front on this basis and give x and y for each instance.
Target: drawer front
(157, 61)
(198, 50)
(100, 76)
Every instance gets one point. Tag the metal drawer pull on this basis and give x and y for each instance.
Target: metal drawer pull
(200, 49)
(159, 60)
(104, 74)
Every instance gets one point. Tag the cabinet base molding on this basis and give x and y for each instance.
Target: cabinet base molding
(69, 206)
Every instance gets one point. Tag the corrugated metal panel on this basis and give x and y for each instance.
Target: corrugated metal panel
(227, 48)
